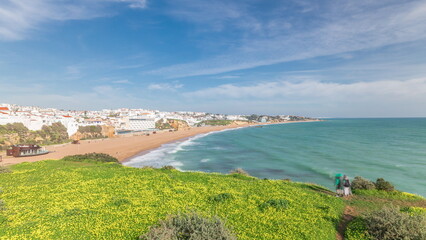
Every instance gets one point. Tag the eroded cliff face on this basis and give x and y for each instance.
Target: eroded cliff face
(100, 132)
(172, 124)
(108, 131)
(178, 124)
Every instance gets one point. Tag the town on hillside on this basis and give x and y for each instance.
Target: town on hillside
(39, 122)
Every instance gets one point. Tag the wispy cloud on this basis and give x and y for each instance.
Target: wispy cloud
(313, 97)
(165, 86)
(19, 18)
(125, 81)
(228, 77)
(134, 3)
(343, 28)
(314, 89)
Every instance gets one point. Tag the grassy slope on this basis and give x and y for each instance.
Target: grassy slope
(365, 201)
(68, 200)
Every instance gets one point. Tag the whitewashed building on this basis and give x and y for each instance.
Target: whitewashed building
(140, 124)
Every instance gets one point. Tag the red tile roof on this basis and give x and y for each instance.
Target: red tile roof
(4, 108)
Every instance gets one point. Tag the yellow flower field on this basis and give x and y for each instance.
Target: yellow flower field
(70, 200)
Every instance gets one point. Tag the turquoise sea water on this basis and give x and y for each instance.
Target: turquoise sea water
(394, 149)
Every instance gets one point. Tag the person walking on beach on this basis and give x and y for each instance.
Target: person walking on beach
(339, 184)
(346, 186)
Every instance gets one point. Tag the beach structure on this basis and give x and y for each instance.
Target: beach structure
(140, 124)
(26, 150)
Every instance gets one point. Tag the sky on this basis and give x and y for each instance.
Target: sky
(322, 58)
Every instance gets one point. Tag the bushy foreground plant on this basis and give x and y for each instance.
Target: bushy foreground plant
(278, 204)
(362, 184)
(381, 184)
(190, 226)
(95, 157)
(239, 171)
(222, 197)
(390, 223)
(168, 167)
(357, 230)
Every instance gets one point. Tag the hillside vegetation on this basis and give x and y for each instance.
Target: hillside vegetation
(93, 197)
(17, 133)
(214, 123)
(88, 200)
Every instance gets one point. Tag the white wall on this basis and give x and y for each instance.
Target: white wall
(138, 124)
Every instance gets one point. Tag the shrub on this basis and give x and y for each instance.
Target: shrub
(357, 230)
(362, 183)
(223, 197)
(168, 167)
(279, 204)
(390, 223)
(96, 157)
(414, 210)
(189, 226)
(381, 184)
(120, 202)
(239, 171)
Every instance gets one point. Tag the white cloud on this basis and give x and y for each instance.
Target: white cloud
(125, 81)
(409, 89)
(344, 27)
(165, 86)
(134, 3)
(228, 77)
(19, 18)
(316, 98)
(105, 90)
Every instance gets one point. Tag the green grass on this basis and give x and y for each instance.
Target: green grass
(367, 201)
(215, 122)
(84, 200)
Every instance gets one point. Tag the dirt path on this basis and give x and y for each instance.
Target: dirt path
(348, 215)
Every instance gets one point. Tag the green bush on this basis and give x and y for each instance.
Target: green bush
(278, 204)
(357, 230)
(168, 167)
(390, 223)
(239, 171)
(222, 197)
(414, 210)
(381, 184)
(362, 183)
(90, 129)
(189, 227)
(96, 157)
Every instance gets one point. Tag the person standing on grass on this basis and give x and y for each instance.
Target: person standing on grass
(346, 186)
(339, 184)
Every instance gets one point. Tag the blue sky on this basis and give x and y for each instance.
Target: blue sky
(315, 58)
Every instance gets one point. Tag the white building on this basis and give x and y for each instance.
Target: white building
(140, 124)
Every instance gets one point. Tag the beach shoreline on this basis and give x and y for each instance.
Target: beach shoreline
(126, 147)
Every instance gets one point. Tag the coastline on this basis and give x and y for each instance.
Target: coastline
(127, 147)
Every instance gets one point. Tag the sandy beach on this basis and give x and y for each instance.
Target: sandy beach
(122, 147)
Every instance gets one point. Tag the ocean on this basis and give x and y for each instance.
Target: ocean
(394, 149)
